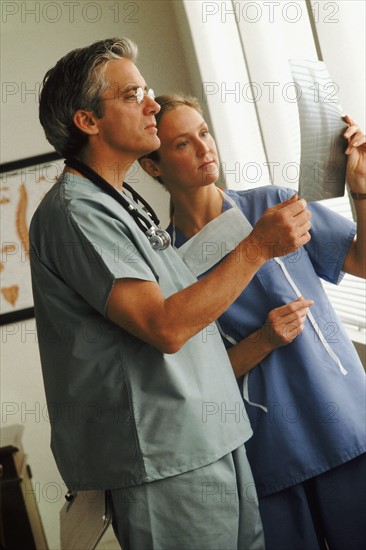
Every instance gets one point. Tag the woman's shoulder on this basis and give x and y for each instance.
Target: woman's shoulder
(267, 195)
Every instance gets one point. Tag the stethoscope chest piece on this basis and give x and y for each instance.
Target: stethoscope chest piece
(159, 238)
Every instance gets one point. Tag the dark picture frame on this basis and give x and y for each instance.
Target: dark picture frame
(23, 183)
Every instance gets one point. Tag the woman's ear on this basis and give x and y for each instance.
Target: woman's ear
(150, 166)
(85, 121)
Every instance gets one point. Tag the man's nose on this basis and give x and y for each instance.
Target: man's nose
(151, 106)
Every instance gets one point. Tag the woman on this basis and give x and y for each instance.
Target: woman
(305, 395)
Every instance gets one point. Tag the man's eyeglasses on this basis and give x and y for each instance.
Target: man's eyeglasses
(138, 95)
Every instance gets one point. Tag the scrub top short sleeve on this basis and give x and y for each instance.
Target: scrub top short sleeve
(78, 247)
(331, 237)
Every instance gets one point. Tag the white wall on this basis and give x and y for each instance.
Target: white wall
(34, 36)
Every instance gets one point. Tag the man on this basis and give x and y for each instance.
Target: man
(142, 398)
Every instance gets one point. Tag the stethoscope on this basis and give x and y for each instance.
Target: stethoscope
(157, 237)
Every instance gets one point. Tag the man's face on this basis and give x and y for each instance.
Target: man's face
(127, 128)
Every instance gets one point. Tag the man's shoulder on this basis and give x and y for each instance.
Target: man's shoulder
(70, 196)
(54, 210)
(49, 205)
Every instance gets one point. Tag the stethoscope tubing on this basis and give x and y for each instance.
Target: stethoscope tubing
(158, 238)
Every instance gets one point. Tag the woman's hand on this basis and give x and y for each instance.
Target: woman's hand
(356, 152)
(282, 326)
(284, 323)
(355, 261)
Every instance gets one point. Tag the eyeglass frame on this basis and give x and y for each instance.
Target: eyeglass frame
(139, 94)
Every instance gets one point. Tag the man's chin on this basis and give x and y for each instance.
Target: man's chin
(153, 145)
(148, 146)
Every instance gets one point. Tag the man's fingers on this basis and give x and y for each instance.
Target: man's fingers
(296, 214)
(303, 223)
(294, 205)
(283, 228)
(287, 202)
(303, 230)
(292, 199)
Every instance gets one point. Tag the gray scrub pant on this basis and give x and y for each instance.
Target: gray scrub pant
(211, 508)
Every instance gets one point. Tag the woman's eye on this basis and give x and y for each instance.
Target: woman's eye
(182, 144)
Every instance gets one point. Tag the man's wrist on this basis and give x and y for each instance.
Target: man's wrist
(253, 251)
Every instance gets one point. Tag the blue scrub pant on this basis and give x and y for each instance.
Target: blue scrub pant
(211, 508)
(329, 509)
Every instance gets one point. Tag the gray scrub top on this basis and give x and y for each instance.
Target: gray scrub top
(122, 412)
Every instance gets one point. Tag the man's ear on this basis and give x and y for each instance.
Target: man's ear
(85, 121)
(150, 166)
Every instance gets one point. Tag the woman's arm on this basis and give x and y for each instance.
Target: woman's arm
(282, 326)
(355, 261)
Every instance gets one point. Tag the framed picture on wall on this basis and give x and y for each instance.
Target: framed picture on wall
(23, 184)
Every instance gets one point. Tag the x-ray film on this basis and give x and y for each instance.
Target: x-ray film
(323, 162)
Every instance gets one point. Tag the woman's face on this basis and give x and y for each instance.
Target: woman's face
(188, 154)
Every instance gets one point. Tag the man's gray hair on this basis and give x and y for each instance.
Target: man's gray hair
(77, 81)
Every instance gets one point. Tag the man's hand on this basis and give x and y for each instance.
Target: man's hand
(281, 229)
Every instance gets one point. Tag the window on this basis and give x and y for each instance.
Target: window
(242, 50)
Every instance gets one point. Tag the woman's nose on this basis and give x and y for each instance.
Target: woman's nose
(202, 147)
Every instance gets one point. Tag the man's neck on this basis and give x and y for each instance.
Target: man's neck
(110, 166)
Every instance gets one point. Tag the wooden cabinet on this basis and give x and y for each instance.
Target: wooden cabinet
(21, 525)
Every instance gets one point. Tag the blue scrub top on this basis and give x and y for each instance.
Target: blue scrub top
(121, 412)
(316, 415)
